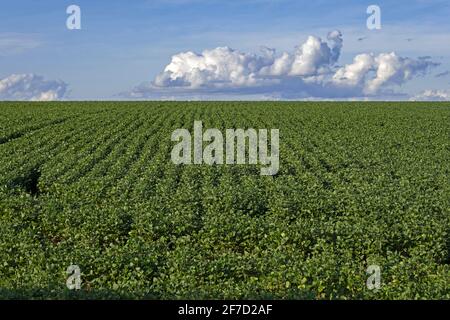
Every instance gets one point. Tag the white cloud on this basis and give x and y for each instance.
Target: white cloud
(392, 69)
(31, 87)
(308, 72)
(313, 57)
(432, 95)
(354, 74)
(220, 67)
(371, 73)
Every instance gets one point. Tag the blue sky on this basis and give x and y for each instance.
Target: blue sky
(125, 43)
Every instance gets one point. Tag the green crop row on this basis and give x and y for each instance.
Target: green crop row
(92, 184)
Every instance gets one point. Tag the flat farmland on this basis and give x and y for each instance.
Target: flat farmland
(92, 184)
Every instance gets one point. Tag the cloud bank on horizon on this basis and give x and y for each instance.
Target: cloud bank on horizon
(310, 71)
(31, 87)
(432, 95)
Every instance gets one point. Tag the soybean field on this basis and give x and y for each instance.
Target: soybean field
(92, 184)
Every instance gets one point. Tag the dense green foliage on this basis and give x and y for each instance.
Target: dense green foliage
(92, 184)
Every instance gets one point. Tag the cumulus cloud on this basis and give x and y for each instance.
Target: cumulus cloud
(370, 73)
(432, 95)
(31, 87)
(312, 58)
(311, 70)
(226, 68)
